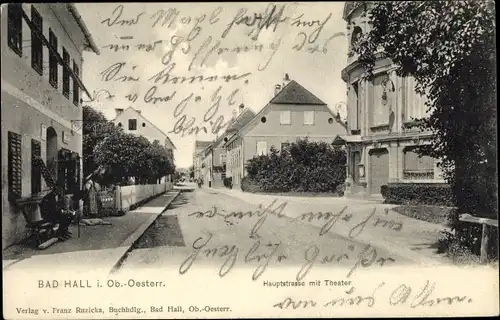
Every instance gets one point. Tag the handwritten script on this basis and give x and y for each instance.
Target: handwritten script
(169, 58)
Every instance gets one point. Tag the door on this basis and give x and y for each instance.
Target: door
(379, 169)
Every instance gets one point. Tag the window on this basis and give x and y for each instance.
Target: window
(143, 124)
(132, 124)
(14, 28)
(415, 167)
(309, 117)
(76, 86)
(285, 117)
(222, 158)
(65, 88)
(36, 174)
(261, 148)
(120, 124)
(53, 63)
(36, 41)
(14, 166)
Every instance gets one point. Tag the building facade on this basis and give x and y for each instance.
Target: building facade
(293, 113)
(41, 109)
(133, 121)
(382, 119)
(198, 159)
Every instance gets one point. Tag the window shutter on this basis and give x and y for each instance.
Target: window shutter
(285, 117)
(36, 174)
(308, 117)
(14, 166)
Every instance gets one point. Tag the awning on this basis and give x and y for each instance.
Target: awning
(345, 139)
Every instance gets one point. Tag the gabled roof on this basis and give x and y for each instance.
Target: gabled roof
(149, 122)
(294, 93)
(241, 120)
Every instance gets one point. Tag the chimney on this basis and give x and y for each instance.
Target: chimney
(277, 89)
(242, 106)
(118, 111)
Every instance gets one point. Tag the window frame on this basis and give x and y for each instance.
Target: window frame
(15, 28)
(66, 74)
(53, 62)
(289, 117)
(36, 41)
(130, 122)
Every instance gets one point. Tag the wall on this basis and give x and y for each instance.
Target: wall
(272, 126)
(127, 196)
(28, 101)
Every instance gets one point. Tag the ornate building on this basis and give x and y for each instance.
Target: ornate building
(382, 133)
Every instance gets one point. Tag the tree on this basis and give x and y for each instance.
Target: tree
(449, 48)
(95, 128)
(191, 172)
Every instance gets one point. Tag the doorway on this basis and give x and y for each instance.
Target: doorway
(379, 170)
(51, 152)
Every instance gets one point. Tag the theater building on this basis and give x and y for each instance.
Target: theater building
(382, 132)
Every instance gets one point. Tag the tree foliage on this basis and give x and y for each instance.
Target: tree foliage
(302, 167)
(121, 156)
(449, 48)
(95, 128)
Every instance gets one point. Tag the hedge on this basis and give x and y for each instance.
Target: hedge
(303, 167)
(418, 193)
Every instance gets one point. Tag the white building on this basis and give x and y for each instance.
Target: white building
(41, 112)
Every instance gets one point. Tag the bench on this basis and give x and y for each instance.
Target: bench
(486, 225)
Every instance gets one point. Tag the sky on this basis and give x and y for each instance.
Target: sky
(238, 52)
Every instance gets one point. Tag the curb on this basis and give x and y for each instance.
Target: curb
(134, 237)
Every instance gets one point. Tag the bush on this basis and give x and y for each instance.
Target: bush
(418, 193)
(228, 182)
(303, 167)
(250, 185)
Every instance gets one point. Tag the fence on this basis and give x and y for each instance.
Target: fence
(130, 196)
(487, 225)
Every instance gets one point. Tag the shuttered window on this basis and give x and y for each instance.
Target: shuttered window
(36, 174)
(309, 118)
(53, 63)
(14, 28)
(14, 165)
(76, 87)
(66, 75)
(286, 117)
(36, 41)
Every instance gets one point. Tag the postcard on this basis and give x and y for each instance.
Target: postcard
(243, 160)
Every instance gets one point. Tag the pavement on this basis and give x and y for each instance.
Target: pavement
(417, 239)
(99, 246)
(206, 225)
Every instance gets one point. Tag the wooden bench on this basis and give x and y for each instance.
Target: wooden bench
(486, 223)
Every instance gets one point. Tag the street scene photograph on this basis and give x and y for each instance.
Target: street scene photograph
(316, 159)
